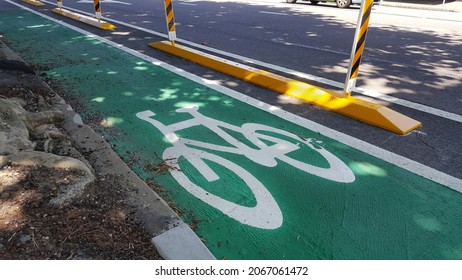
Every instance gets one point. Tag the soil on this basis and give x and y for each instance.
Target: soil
(99, 225)
(96, 225)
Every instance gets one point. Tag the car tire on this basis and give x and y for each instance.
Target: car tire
(291, 1)
(314, 2)
(343, 3)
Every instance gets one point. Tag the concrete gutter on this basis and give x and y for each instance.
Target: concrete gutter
(172, 237)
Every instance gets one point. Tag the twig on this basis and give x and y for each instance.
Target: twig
(33, 240)
(72, 233)
(11, 237)
(70, 257)
(35, 243)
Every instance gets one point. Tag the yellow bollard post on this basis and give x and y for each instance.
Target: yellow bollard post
(170, 21)
(358, 46)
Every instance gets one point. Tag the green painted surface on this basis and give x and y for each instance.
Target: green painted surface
(386, 213)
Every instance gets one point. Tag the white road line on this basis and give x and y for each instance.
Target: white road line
(187, 4)
(414, 16)
(400, 161)
(273, 13)
(369, 58)
(104, 1)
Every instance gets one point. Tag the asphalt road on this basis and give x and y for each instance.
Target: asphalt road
(412, 55)
(415, 55)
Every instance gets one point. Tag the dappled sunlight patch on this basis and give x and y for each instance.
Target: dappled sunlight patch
(99, 99)
(111, 121)
(367, 169)
(121, 33)
(428, 223)
(11, 200)
(214, 98)
(177, 83)
(10, 178)
(329, 69)
(10, 211)
(231, 84)
(140, 68)
(271, 108)
(210, 82)
(96, 42)
(166, 94)
(453, 252)
(184, 104)
(284, 99)
(195, 94)
(311, 34)
(228, 103)
(39, 26)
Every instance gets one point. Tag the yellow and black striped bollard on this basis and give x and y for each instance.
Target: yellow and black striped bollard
(358, 46)
(170, 21)
(97, 9)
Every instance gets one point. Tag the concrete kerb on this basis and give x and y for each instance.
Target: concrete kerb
(173, 238)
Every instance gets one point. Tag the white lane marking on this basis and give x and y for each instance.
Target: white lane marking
(187, 4)
(273, 13)
(104, 1)
(403, 102)
(416, 16)
(370, 58)
(390, 157)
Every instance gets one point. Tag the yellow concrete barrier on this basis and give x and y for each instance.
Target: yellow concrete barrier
(34, 2)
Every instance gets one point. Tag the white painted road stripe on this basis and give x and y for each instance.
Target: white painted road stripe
(369, 58)
(272, 13)
(187, 4)
(400, 161)
(104, 1)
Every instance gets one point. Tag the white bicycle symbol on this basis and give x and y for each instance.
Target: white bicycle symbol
(266, 214)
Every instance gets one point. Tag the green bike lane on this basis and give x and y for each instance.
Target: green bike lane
(343, 204)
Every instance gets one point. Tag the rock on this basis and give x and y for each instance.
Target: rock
(14, 135)
(12, 188)
(81, 255)
(5, 195)
(25, 238)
